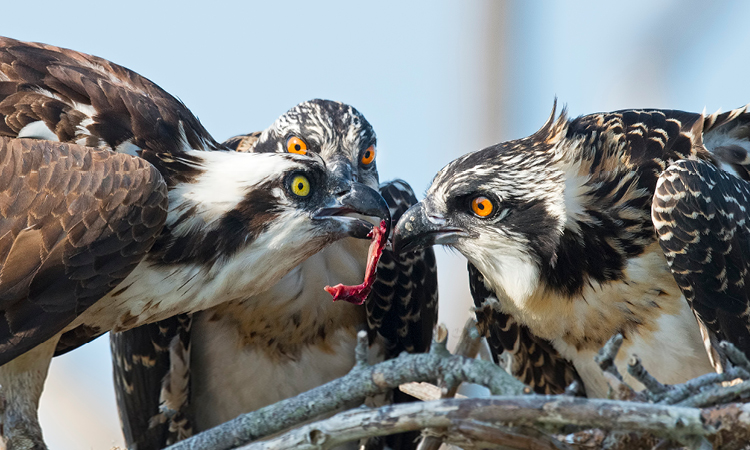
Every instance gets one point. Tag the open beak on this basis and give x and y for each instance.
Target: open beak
(359, 199)
(416, 230)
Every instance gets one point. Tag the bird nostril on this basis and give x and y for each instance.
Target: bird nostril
(341, 187)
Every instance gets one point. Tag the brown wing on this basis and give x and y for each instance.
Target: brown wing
(53, 93)
(74, 222)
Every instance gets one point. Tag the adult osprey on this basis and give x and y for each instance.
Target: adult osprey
(173, 380)
(563, 250)
(114, 214)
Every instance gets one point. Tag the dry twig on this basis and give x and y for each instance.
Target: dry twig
(736, 356)
(636, 369)
(362, 381)
(688, 425)
(606, 356)
(499, 422)
(468, 346)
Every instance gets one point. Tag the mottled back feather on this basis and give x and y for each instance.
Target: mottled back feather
(701, 216)
(403, 304)
(74, 222)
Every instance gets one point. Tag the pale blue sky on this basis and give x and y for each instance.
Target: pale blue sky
(435, 78)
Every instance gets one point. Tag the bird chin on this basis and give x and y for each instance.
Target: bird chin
(350, 226)
(434, 237)
(449, 237)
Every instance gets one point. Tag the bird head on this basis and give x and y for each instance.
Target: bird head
(246, 219)
(327, 209)
(285, 201)
(502, 207)
(336, 132)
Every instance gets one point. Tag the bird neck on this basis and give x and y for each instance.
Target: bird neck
(607, 220)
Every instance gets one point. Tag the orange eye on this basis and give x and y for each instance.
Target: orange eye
(296, 145)
(482, 206)
(369, 156)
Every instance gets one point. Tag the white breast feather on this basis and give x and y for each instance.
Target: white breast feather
(673, 352)
(156, 291)
(232, 378)
(512, 273)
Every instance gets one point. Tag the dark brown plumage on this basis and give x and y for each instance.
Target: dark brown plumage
(75, 222)
(44, 83)
(142, 361)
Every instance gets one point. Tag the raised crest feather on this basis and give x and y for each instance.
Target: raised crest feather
(553, 131)
(696, 131)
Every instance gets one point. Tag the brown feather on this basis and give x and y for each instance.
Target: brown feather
(67, 237)
(64, 89)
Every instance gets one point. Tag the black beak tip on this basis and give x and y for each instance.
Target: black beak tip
(388, 225)
(405, 241)
(399, 245)
(360, 229)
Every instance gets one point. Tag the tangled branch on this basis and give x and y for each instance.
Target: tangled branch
(545, 412)
(362, 381)
(660, 415)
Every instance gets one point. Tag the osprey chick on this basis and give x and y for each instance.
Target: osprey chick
(563, 251)
(79, 219)
(181, 376)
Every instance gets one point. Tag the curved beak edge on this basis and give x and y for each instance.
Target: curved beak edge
(360, 199)
(415, 231)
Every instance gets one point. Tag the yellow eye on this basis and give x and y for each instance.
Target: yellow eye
(369, 156)
(482, 206)
(301, 186)
(296, 145)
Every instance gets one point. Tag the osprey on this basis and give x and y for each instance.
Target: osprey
(564, 252)
(115, 214)
(185, 375)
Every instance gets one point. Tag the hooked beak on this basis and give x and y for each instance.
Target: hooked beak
(416, 230)
(359, 199)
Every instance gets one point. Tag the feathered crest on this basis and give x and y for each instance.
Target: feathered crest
(553, 131)
(696, 131)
